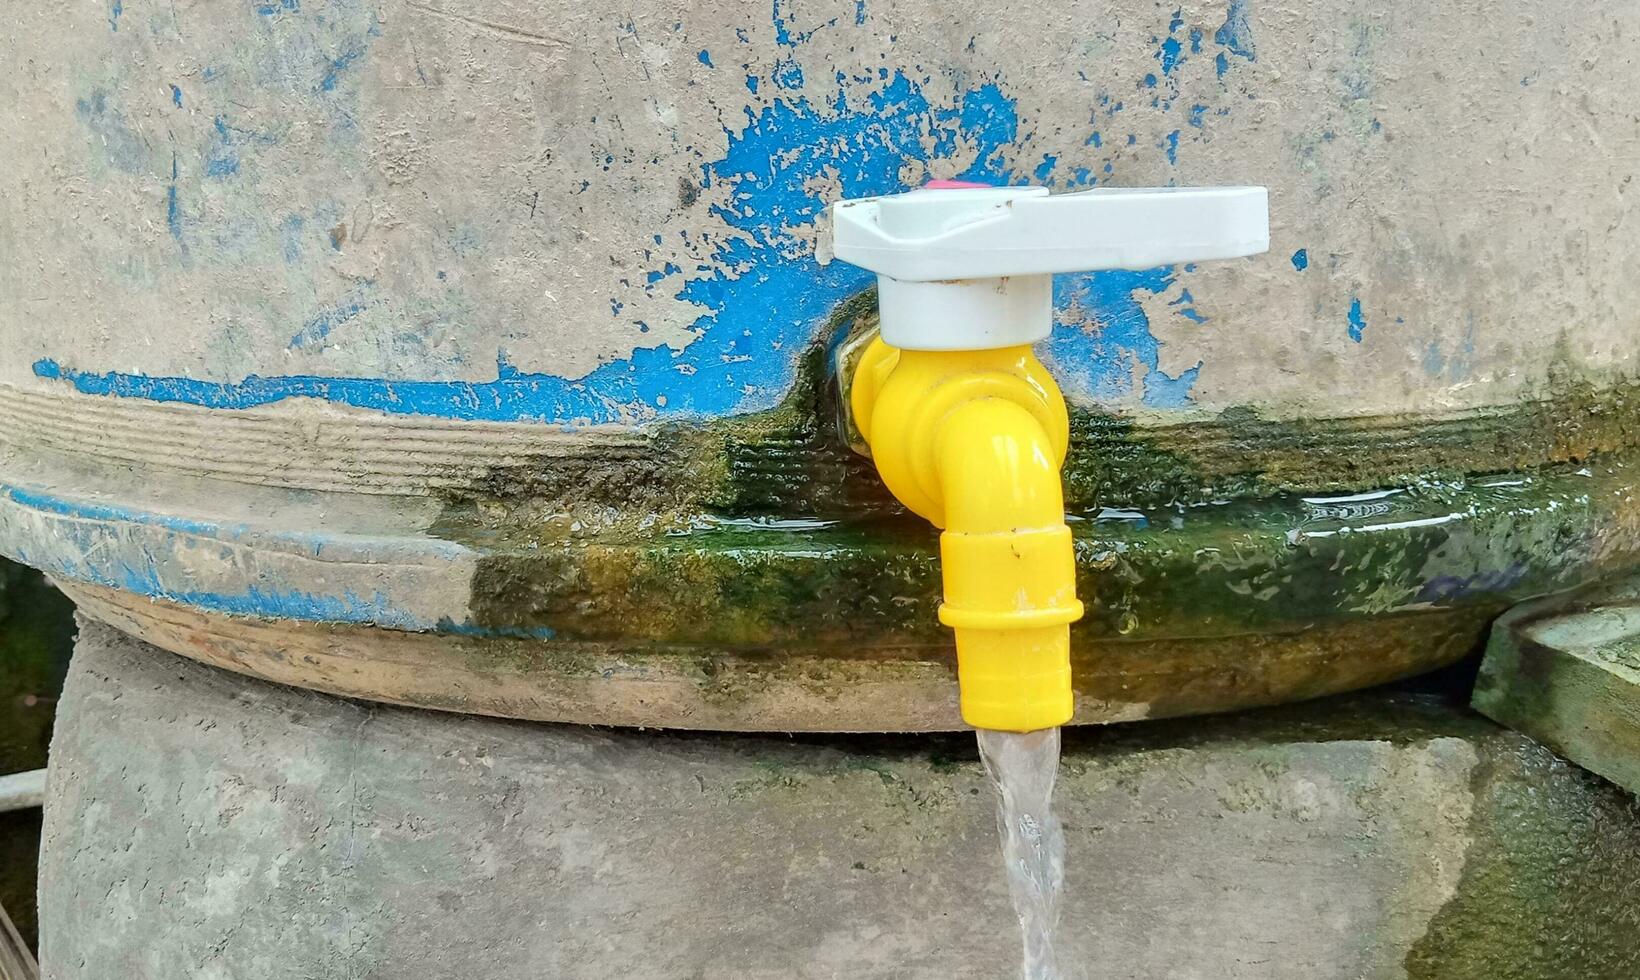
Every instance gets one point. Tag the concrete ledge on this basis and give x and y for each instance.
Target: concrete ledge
(1567, 673)
(200, 823)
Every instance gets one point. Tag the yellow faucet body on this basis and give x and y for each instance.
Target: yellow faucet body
(974, 442)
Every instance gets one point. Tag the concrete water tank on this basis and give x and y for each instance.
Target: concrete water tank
(477, 357)
(483, 356)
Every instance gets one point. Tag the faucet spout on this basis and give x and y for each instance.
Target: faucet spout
(974, 441)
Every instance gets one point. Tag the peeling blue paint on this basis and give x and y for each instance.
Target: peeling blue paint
(80, 510)
(1169, 55)
(338, 65)
(1187, 307)
(1358, 321)
(1045, 169)
(1173, 147)
(1096, 357)
(173, 211)
(119, 142)
(321, 324)
(82, 552)
(1221, 64)
(114, 10)
(1162, 391)
(788, 74)
(1301, 259)
(176, 96)
(271, 9)
(222, 153)
(291, 233)
(1434, 360)
(1236, 35)
(762, 273)
(705, 58)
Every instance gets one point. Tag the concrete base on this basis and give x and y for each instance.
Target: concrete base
(1566, 671)
(202, 824)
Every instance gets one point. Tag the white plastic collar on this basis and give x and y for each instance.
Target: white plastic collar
(972, 268)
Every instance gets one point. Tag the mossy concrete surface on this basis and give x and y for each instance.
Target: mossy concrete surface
(205, 824)
(1566, 671)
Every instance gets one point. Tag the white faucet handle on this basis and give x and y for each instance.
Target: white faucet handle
(969, 268)
(983, 233)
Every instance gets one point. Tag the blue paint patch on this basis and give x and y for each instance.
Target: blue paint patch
(657, 275)
(705, 58)
(859, 12)
(1096, 358)
(1187, 307)
(761, 273)
(271, 9)
(85, 556)
(1301, 259)
(1045, 169)
(1170, 55)
(1173, 147)
(114, 10)
(1196, 114)
(290, 231)
(1434, 360)
(751, 84)
(338, 65)
(1358, 321)
(1195, 41)
(1095, 141)
(173, 211)
(176, 96)
(1162, 391)
(782, 35)
(788, 74)
(1149, 82)
(322, 323)
(222, 153)
(112, 133)
(46, 503)
(1236, 35)
(1221, 64)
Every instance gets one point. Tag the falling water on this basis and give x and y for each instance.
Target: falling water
(1022, 767)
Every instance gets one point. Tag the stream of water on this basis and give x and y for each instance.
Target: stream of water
(1022, 767)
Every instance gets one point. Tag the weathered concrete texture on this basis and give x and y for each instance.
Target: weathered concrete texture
(205, 825)
(580, 212)
(1567, 673)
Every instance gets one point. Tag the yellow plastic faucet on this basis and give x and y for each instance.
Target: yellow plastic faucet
(973, 441)
(966, 426)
